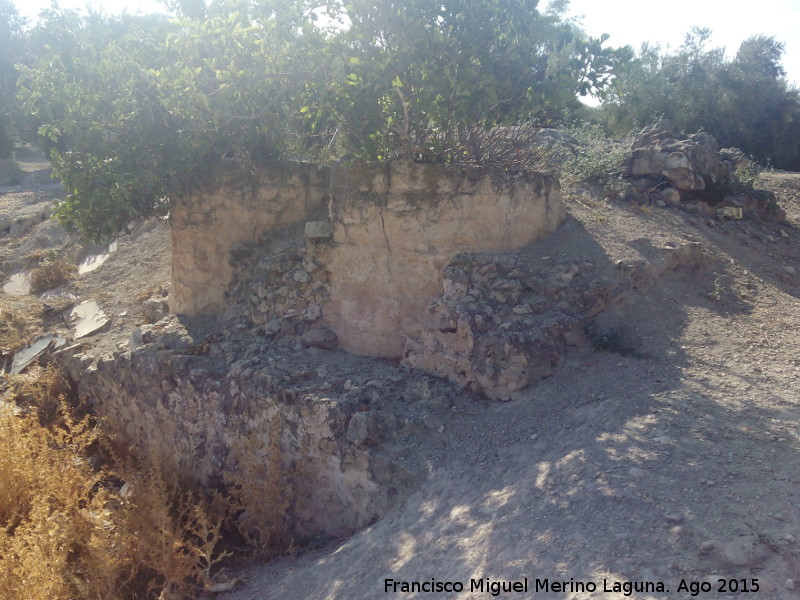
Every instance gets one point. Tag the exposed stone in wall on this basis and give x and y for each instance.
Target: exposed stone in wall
(506, 321)
(395, 229)
(191, 403)
(206, 227)
(503, 323)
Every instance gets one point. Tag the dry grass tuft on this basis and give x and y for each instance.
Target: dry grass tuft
(41, 392)
(51, 273)
(21, 320)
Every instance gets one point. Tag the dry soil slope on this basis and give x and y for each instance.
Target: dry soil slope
(678, 463)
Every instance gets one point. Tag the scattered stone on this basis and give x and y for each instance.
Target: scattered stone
(673, 518)
(636, 472)
(770, 239)
(126, 491)
(357, 429)
(661, 204)
(24, 358)
(18, 284)
(87, 318)
(135, 340)
(432, 421)
(155, 309)
(301, 276)
(789, 585)
(318, 230)
(320, 337)
(744, 551)
(707, 546)
(784, 234)
(312, 312)
(671, 196)
(273, 327)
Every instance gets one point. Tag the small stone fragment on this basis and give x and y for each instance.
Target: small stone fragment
(673, 518)
(312, 312)
(301, 276)
(87, 318)
(320, 337)
(318, 230)
(273, 327)
(636, 472)
(789, 584)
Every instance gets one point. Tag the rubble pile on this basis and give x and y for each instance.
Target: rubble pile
(690, 171)
(502, 323)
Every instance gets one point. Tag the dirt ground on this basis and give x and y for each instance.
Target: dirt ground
(138, 269)
(671, 471)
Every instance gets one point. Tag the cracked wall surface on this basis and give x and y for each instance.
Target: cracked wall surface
(394, 227)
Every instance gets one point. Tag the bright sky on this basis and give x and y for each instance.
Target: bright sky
(634, 21)
(627, 21)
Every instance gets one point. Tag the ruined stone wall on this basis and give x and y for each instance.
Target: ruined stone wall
(207, 226)
(397, 226)
(393, 229)
(202, 411)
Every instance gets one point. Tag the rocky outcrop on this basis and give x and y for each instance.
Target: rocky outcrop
(690, 171)
(689, 162)
(503, 324)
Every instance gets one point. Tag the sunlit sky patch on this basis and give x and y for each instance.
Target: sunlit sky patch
(627, 21)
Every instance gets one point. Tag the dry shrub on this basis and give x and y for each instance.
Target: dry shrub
(153, 290)
(72, 529)
(48, 508)
(260, 492)
(51, 273)
(21, 319)
(42, 391)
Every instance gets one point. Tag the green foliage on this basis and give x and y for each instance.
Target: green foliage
(10, 29)
(593, 159)
(138, 110)
(744, 102)
(408, 78)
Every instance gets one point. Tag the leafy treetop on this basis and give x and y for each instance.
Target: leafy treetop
(136, 110)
